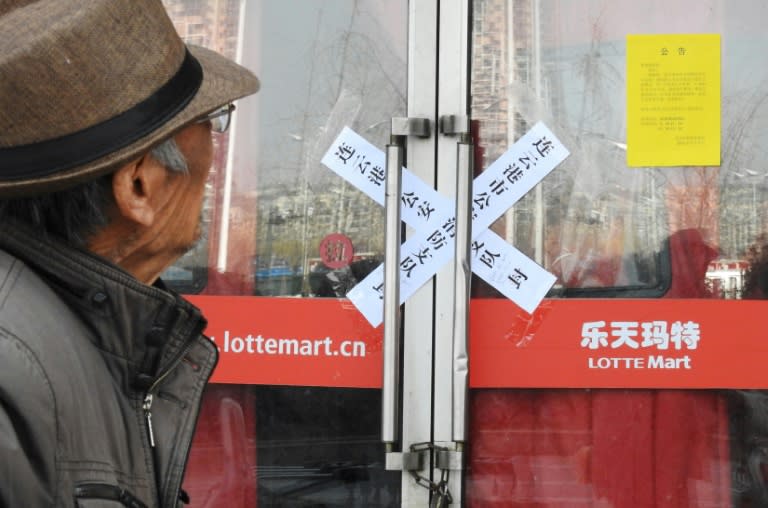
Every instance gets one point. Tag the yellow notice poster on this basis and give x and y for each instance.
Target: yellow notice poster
(673, 100)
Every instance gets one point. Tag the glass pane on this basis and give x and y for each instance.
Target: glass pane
(328, 64)
(605, 229)
(271, 446)
(278, 223)
(601, 227)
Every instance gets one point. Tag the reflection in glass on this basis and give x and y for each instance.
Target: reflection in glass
(605, 229)
(322, 66)
(594, 222)
(326, 65)
(341, 63)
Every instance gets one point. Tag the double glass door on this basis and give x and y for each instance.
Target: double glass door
(624, 387)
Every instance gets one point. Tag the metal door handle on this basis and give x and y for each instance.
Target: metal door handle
(390, 396)
(391, 374)
(462, 280)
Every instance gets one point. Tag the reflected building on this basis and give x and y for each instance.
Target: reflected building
(333, 69)
(209, 23)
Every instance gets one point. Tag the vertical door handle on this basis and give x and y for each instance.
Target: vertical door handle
(401, 128)
(391, 374)
(461, 286)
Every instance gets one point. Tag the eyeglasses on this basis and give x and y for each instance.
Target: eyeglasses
(220, 118)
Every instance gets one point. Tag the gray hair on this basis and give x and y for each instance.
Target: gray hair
(168, 154)
(75, 214)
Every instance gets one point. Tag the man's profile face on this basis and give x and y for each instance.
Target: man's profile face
(179, 223)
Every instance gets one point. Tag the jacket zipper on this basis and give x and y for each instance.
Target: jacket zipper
(147, 406)
(153, 388)
(149, 396)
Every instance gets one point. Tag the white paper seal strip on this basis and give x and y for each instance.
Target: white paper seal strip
(500, 186)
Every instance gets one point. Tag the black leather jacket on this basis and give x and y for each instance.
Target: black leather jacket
(100, 380)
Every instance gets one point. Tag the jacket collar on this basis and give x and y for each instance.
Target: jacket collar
(146, 325)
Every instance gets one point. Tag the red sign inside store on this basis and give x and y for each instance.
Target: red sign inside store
(564, 344)
(292, 341)
(619, 344)
(336, 250)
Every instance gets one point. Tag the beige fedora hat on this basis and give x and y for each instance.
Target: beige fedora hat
(86, 85)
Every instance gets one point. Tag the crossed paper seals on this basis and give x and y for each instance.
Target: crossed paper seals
(431, 215)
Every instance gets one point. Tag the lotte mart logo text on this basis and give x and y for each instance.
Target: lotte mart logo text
(661, 341)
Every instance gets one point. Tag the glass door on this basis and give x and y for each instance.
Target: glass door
(293, 417)
(637, 382)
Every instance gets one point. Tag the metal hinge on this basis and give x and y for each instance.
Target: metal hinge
(403, 126)
(454, 124)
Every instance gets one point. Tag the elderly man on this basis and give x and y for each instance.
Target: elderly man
(105, 146)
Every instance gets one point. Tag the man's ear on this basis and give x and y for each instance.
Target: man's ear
(138, 189)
